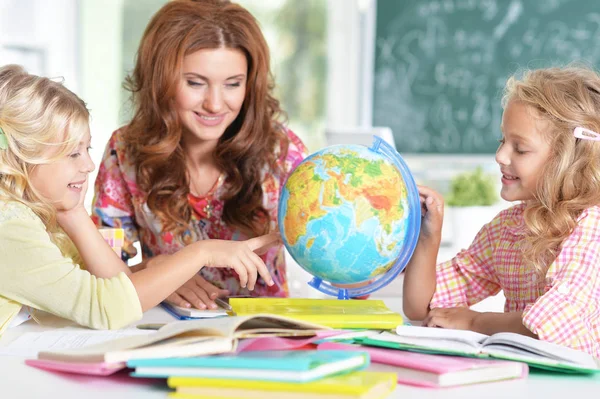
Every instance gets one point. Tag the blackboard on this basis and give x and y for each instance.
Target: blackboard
(440, 65)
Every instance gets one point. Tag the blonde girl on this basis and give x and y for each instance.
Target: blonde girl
(52, 258)
(544, 253)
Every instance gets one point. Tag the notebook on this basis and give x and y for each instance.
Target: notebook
(435, 371)
(292, 366)
(356, 385)
(508, 346)
(183, 339)
(335, 313)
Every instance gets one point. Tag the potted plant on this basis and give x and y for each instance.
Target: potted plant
(471, 198)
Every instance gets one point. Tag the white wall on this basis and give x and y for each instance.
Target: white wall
(42, 36)
(343, 71)
(101, 32)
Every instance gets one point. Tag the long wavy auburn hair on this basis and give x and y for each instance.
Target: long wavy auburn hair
(153, 138)
(36, 114)
(570, 182)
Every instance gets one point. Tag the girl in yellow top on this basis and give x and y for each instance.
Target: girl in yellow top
(52, 257)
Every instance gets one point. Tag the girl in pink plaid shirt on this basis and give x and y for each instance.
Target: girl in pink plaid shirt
(543, 253)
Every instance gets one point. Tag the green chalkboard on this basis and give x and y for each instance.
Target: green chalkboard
(440, 65)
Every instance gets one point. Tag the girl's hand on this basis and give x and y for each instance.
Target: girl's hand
(197, 292)
(71, 215)
(241, 256)
(456, 318)
(432, 208)
(84, 188)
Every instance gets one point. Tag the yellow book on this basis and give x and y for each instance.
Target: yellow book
(334, 313)
(357, 385)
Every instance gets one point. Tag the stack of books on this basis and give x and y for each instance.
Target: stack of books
(288, 348)
(178, 339)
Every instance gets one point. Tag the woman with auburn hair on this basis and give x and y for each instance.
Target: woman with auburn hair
(205, 153)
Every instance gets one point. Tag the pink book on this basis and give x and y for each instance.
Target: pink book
(436, 371)
(100, 369)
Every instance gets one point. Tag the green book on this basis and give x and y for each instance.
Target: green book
(507, 346)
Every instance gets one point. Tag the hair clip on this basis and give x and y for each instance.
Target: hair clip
(3, 140)
(586, 134)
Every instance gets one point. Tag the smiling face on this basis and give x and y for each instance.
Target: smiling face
(211, 92)
(523, 151)
(61, 182)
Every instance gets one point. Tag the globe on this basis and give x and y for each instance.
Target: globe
(350, 216)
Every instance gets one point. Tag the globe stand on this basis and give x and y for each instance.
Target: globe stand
(410, 240)
(316, 283)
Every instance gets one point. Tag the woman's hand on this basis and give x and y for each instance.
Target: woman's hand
(197, 292)
(241, 256)
(432, 208)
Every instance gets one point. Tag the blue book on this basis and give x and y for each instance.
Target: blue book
(181, 313)
(291, 366)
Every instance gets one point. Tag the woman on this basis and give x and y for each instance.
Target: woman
(204, 155)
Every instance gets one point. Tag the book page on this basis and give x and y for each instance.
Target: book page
(433, 333)
(30, 343)
(262, 325)
(245, 326)
(527, 345)
(436, 345)
(226, 327)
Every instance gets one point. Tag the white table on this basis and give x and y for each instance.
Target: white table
(20, 381)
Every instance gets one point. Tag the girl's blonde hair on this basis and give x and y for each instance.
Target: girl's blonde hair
(43, 121)
(565, 98)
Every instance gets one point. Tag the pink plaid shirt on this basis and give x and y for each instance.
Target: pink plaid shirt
(564, 308)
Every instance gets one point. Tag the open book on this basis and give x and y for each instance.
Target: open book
(178, 339)
(509, 346)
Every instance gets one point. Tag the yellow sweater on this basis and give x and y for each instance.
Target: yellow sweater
(34, 272)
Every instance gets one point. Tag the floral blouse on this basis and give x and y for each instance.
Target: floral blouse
(119, 202)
